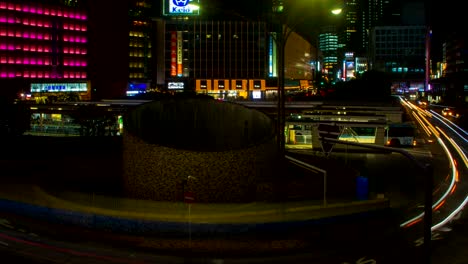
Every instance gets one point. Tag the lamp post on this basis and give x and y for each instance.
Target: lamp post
(289, 18)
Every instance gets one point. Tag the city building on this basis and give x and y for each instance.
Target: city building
(43, 49)
(141, 40)
(452, 86)
(328, 44)
(225, 53)
(400, 51)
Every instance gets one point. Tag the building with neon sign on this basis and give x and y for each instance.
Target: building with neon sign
(219, 52)
(42, 43)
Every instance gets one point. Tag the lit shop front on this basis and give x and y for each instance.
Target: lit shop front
(82, 89)
(229, 89)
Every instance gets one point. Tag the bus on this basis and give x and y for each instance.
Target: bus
(401, 135)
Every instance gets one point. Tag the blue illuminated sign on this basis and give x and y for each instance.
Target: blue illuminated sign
(181, 7)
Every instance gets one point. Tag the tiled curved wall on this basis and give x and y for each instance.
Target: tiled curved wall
(157, 172)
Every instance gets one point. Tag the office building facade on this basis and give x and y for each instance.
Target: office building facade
(400, 51)
(43, 49)
(227, 56)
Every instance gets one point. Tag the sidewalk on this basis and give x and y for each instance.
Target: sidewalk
(256, 212)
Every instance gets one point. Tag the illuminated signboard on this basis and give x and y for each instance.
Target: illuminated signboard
(257, 95)
(175, 85)
(58, 87)
(181, 7)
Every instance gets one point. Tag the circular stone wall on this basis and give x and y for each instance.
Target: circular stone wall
(226, 148)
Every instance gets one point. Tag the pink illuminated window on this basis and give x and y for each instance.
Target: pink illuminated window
(11, 33)
(3, 5)
(83, 27)
(65, 74)
(40, 10)
(3, 75)
(25, 34)
(19, 61)
(46, 49)
(11, 6)
(3, 19)
(59, 13)
(26, 74)
(3, 59)
(47, 36)
(26, 21)
(40, 48)
(11, 47)
(65, 26)
(32, 10)
(32, 22)
(53, 12)
(65, 38)
(18, 74)
(65, 62)
(33, 47)
(18, 7)
(46, 11)
(40, 23)
(3, 32)
(11, 60)
(65, 50)
(46, 24)
(40, 74)
(33, 74)
(47, 75)
(26, 47)
(25, 60)
(33, 61)
(25, 8)
(18, 33)
(83, 75)
(40, 35)
(33, 35)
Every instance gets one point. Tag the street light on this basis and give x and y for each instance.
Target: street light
(286, 16)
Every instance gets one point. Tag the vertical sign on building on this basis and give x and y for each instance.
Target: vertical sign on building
(272, 69)
(173, 53)
(179, 53)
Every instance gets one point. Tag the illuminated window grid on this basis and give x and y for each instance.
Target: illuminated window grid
(25, 40)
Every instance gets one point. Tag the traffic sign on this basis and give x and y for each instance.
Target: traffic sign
(189, 197)
(328, 130)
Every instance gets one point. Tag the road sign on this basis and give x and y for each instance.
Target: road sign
(328, 130)
(189, 197)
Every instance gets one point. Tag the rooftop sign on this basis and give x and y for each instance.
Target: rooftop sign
(181, 7)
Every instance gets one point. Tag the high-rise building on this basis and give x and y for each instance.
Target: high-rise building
(401, 52)
(43, 48)
(141, 37)
(328, 44)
